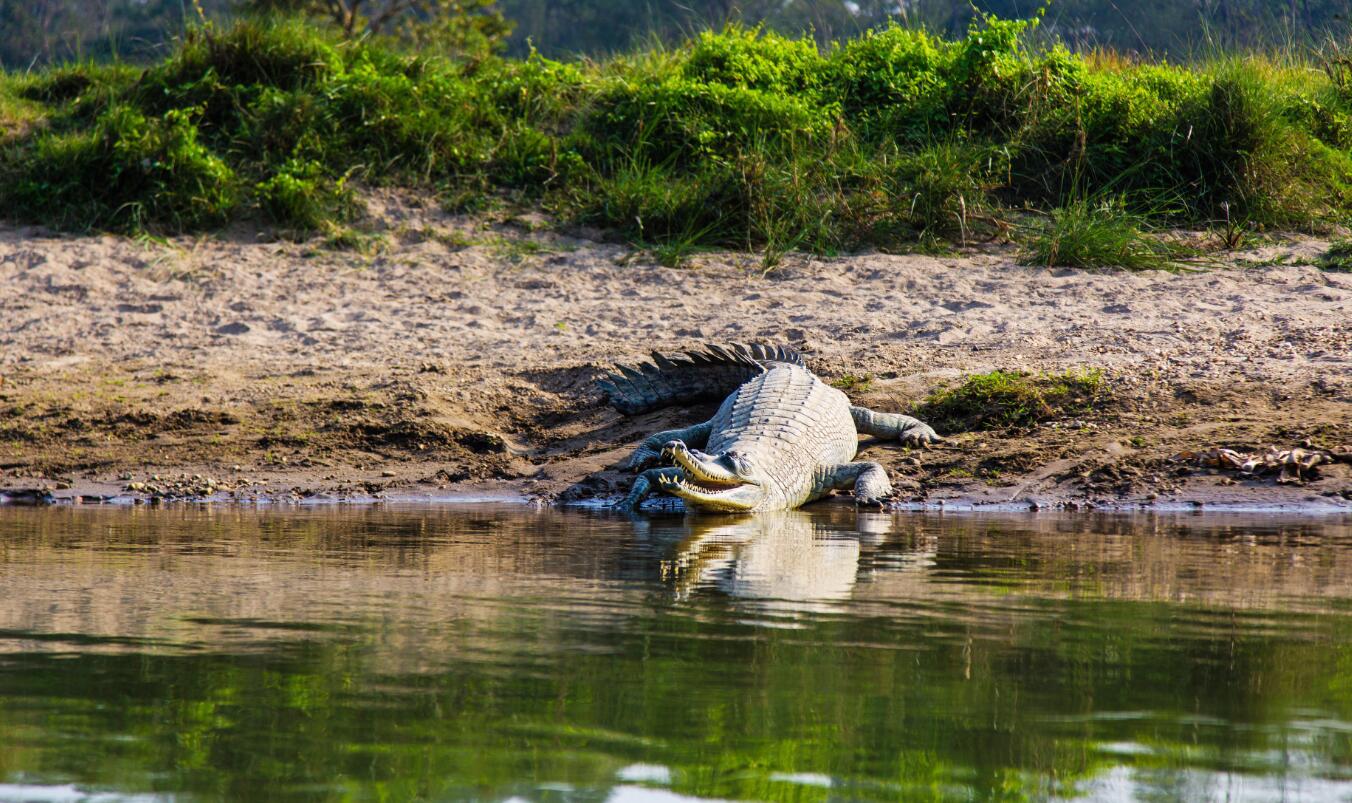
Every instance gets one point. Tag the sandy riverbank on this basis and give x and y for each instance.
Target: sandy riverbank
(457, 355)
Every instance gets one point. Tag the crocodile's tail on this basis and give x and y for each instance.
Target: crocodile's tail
(670, 379)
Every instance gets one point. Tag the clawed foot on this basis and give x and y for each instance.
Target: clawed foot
(642, 458)
(920, 435)
(643, 486)
(645, 458)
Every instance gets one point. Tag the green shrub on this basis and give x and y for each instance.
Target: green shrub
(525, 158)
(1238, 142)
(76, 94)
(301, 197)
(129, 172)
(894, 84)
(1004, 399)
(544, 93)
(750, 58)
(991, 75)
(1116, 131)
(60, 84)
(690, 122)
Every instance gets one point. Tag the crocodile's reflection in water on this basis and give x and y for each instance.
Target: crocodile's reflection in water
(507, 653)
(787, 560)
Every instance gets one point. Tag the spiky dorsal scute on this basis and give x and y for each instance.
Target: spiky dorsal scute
(760, 353)
(711, 373)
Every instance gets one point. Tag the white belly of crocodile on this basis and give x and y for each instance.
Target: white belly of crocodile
(793, 423)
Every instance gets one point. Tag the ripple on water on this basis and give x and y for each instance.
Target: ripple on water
(491, 652)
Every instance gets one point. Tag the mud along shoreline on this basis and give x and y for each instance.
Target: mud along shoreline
(455, 356)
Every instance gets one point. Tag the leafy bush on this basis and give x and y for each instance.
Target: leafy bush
(751, 59)
(280, 54)
(689, 122)
(894, 84)
(130, 171)
(300, 196)
(650, 203)
(1118, 130)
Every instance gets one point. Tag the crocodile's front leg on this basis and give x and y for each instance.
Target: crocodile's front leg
(893, 426)
(650, 450)
(867, 479)
(644, 485)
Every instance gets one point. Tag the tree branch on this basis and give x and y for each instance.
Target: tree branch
(336, 9)
(390, 12)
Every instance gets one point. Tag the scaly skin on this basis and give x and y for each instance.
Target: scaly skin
(781, 440)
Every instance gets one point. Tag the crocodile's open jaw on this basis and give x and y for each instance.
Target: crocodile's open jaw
(710, 483)
(725, 497)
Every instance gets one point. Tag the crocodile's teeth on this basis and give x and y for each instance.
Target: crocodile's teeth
(685, 483)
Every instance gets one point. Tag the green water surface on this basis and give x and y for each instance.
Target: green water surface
(494, 653)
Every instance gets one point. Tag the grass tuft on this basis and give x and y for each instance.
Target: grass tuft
(1084, 234)
(853, 382)
(1003, 399)
(1338, 257)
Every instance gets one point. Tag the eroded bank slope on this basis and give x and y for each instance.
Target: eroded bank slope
(454, 355)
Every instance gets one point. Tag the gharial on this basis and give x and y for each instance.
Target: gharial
(782, 437)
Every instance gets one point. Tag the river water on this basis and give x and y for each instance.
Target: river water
(493, 653)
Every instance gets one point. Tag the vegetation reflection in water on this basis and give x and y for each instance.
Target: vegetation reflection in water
(486, 653)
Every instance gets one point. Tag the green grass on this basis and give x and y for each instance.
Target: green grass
(516, 251)
(853, 382)
(126, 171)
(1338, 257)
(17, 113)
(1084, 234)
(738, 138)
(1003, 399)
(301, 196)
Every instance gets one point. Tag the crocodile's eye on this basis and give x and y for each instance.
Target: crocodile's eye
(739, 462)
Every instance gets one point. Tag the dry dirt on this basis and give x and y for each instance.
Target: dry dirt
(450, 355)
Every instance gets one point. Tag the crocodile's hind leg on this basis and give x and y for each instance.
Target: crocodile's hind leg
(893, 426)
(650, 450)
(867, 479)
(646, 483)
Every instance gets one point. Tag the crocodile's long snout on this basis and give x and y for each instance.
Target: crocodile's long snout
(702, 467)
(711, 483)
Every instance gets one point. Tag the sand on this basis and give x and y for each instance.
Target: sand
(451, 354)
